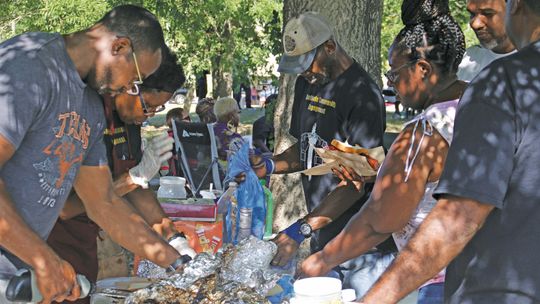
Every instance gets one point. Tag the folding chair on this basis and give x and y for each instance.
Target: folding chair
(196, 147)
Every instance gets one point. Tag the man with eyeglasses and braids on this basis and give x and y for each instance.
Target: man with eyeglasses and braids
(51, 131)
(74, 235)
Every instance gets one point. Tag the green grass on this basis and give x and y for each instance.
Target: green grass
(248, 117)
(394, 125)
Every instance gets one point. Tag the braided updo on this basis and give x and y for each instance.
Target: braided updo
(431, 33)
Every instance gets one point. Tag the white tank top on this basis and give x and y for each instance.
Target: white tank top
(440, 117)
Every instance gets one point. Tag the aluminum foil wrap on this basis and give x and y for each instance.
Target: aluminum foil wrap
(147, 269)
(202, 265)
(235, 275)
(249, 264)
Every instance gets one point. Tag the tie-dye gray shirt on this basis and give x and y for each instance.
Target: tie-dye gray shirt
(53, 120)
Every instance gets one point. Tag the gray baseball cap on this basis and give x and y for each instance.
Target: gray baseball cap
(301, 37)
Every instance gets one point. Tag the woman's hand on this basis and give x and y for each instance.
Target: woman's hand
(349, 177)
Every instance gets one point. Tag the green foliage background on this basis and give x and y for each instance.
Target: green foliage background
(246, 31)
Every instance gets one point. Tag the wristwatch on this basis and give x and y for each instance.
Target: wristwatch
(305, 229)
(175, 236)
(177, 263)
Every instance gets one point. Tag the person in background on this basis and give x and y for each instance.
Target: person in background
(334, 98)
(397, 112)
(178, 114)
(263, 128)
(51, 142)
(238, 95)
(205, 110)
(225, 129)
(254, 96)
(202, 85)
(487, 22)
(74, 235)
(391, 96)
(485, 222)
(423, 58)
(247, 92)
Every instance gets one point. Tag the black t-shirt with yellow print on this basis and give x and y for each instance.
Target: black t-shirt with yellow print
(123, 141)
(349, 108)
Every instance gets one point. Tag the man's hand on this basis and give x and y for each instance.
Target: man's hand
(258, 165)
(314, 266)
(156, 152)
(57, 281)
(287, 248)
(118, 218)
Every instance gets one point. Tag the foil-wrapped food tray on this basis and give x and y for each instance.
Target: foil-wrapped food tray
(235, 275)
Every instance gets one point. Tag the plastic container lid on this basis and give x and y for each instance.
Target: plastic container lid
(172, 180)
(317, 286)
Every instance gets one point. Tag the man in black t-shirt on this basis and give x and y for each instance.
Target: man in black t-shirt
(334, 99)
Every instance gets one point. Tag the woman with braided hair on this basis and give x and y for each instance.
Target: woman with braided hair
(424, 58)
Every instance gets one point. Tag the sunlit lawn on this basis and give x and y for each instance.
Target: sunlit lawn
(248, 117)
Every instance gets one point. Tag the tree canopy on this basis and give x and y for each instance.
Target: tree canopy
(240, 33)
(235, 36)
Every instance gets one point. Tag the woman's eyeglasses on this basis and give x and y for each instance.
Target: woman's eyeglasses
(149, 110)
(392, 75)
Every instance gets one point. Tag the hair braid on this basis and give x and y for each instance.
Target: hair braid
(169, 76)
(431, 33)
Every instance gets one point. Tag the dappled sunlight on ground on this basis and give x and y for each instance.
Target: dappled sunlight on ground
(248, 117)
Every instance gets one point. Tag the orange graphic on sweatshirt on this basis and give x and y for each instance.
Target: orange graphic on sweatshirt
(71, 131)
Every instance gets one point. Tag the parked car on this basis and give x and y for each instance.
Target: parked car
(179, 96)
(389, 95)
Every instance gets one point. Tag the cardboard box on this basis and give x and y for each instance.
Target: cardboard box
(202, 237)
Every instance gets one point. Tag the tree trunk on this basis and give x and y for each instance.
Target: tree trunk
(190, 95)
(357, 28)
(222, 80)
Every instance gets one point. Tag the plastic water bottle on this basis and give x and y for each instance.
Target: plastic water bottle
(244, 223)
(226, 199)
(228, 205)
(164, 169)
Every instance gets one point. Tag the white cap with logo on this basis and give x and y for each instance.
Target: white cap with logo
(301, 37)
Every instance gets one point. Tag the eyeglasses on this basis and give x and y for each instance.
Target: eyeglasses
(392, 75)
(149, 110)
(135, 90)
